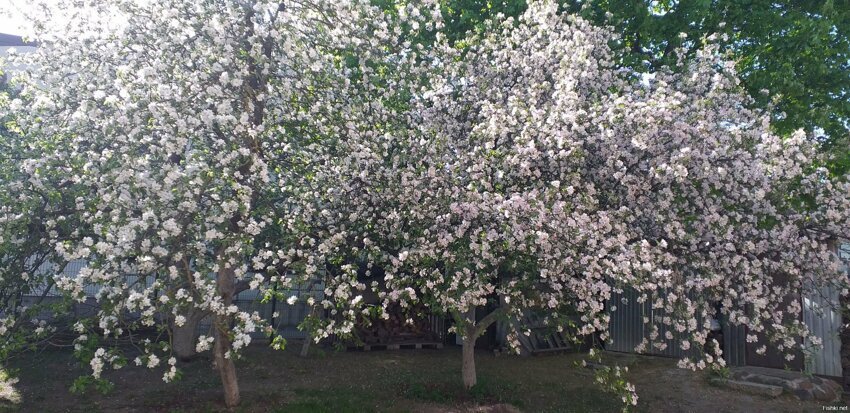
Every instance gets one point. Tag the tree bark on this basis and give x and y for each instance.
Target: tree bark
(466, 326)
(471, 330)
(226, 368)
(468, 371)
(184, 338)
(305, 347)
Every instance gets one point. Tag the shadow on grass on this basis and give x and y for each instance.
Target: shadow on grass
(447, 391)
(329, 401)
(526, 389)
(334, 382)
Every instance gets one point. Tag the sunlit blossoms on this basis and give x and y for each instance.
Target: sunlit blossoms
(223, 145)
(529, 172)
(181, 125)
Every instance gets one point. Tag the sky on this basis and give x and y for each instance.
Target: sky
(11, 19)
(12, 12)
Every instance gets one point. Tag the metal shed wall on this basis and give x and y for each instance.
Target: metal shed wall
(287, 320)
(821, 314)
(627, 329)
(734, 344)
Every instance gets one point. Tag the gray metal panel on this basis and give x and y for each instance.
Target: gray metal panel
(289, 316)
(623, 328)
(627, 328)
(734, 344)
(72, 269)
(14, 40)
(822, 316)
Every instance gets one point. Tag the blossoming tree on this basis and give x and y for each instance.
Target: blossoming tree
(31, 214)
(186, 126)
(221, 144)
(530, 172)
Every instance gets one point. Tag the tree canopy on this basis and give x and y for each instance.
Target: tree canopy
(796, 51)
(198, 148)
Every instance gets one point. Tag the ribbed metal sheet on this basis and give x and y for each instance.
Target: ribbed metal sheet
(821, 315)
(287, 321)
(626, 325)
(72, 269)
(734, 344)
(627, 328)
(289, 317)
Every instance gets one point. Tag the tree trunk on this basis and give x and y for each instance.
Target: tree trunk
(226, 368)
(466, 326)
(471, 329)
(184, 338)
(305, 347)
(468, 372)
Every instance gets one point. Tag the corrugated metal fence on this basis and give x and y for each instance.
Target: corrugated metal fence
(288, 316)
(287, 320)
(820, 313)
(627, 328)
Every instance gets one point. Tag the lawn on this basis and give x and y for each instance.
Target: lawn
(383, 381)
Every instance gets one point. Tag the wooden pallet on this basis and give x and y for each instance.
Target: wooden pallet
(542, 338)
(397, 346)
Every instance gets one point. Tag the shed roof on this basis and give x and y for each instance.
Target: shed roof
(13, 40)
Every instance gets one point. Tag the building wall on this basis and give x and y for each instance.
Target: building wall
(821, 314)
(8, 71)
(627, 328)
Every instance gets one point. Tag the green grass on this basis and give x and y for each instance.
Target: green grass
(328, 401)
(328, 382)
(381, 381)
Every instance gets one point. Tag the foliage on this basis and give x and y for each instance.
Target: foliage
(197, 149)
(530, 170)
(183, 129)
(796, 50)
(30, 214)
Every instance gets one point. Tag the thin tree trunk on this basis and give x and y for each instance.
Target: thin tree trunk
(226, 368)
(184, 338)
(468, 372)
(305, 347)
(466, 325)
(471, 330)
